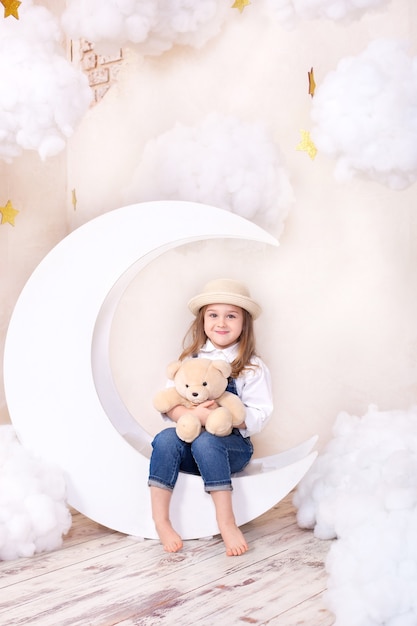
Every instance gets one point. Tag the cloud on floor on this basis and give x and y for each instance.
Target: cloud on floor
(362, 490)
(33, 510)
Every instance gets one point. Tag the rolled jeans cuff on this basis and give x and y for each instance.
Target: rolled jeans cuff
(222, 487)
(156, 483)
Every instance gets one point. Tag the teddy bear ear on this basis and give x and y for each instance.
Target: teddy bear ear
(173, 368)
(224, 367)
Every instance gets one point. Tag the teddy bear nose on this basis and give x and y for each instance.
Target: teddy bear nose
(195, 394)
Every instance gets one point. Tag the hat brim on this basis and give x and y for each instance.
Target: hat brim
(243, 302)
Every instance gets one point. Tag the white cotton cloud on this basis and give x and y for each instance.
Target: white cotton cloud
(362, 490)
(223, 162)
(365, 115)
(289, 12)
(33, 511)
(151, 26)
(42, 96)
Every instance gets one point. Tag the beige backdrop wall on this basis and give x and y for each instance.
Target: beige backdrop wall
(339, 295)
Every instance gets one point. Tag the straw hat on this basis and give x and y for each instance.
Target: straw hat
(225, 291)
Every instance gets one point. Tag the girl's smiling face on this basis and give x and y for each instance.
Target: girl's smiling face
(223, 324)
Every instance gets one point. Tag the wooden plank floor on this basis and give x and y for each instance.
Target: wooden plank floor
(102, 578)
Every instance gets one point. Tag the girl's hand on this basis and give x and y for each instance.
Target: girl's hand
(203, 410)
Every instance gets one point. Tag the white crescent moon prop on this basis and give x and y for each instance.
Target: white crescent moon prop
(59, 387)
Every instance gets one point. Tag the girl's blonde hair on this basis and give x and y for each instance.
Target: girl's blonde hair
(195, 339)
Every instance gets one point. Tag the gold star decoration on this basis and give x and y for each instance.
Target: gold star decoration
(307, 145)
(240, 4)
(74, 199)
(11, 7)
(311, 83)
(8, 213)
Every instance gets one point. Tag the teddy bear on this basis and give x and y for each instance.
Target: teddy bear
(195, 381)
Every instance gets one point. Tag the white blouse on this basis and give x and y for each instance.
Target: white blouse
(253, 387)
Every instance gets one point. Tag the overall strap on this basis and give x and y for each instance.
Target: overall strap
(231, 385)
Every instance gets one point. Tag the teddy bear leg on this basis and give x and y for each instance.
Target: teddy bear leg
(188, 427)
(219, 422)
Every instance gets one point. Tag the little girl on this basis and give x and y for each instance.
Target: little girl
(222, 329)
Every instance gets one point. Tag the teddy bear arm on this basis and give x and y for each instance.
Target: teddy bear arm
(166, 399)
(235, 405)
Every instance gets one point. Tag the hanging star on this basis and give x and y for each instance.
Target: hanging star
(74, 199)
(240, 4)
(8, 213)
(311, 83)
(11, 7)
(307, 145)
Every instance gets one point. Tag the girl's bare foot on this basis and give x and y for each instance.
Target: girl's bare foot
(231, 534)
(161, 499)
(233, 540)
(169, 538)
